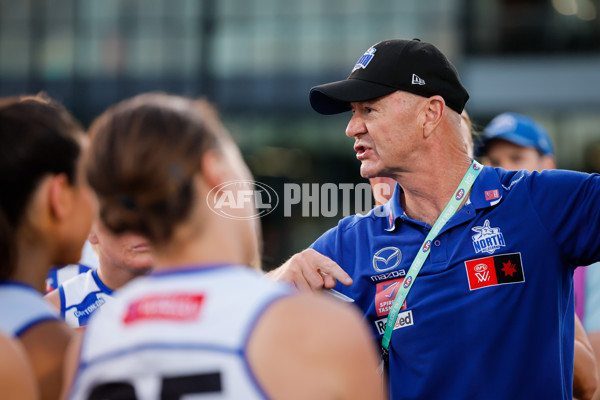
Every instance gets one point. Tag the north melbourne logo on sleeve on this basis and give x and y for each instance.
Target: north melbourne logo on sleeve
(495, 270)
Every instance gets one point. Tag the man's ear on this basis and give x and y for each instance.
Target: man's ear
(60, 196)
(435, 106)
(548, 162)
(93, 237)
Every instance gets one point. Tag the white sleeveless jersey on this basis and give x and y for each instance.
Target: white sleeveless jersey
(22, 308)
(81, 296)
(176, 335)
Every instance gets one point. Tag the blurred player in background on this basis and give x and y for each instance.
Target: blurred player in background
(203, 322)
(60, 274)
(515, 141)
(48, 209)
(121, 258)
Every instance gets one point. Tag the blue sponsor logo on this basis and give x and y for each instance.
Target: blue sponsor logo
(365, 59)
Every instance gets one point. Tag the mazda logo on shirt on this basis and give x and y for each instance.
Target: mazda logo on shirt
(386, 259)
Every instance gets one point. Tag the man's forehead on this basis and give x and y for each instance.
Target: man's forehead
(394, 96)
(506, 145)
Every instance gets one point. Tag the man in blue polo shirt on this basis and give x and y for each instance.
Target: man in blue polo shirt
(490, 312)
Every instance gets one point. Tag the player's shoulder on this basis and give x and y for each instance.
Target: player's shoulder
(75, 289)
(311, 316)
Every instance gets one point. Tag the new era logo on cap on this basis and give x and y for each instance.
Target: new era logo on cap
(416, 80)
(495, 270)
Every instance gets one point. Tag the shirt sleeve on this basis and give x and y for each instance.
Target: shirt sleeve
(328, 244)
(568, 205)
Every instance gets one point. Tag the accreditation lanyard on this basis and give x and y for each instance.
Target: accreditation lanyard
(417, 264)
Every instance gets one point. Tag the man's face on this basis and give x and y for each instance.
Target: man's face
(386, 133)
(507, 155)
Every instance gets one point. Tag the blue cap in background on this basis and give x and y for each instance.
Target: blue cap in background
(518, 129)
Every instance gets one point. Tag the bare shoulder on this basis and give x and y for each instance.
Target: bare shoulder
(311, 337)
(54, 299)
(16, 377)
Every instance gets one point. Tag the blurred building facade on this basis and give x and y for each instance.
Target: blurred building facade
(257, 59)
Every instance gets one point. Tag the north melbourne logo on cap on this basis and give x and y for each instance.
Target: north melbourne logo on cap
(365, 59)
(416, 80)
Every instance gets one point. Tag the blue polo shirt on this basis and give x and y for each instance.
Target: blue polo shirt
(490, 315)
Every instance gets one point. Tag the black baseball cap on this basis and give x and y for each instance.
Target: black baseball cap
(409, 65)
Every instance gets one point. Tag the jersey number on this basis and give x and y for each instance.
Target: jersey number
(173, 388)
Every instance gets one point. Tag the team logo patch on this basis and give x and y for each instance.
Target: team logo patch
(404, 319)
(460, 194)
(365, 59)
(487, 239)
(172, 307)
(386, 259)
(492, 194)
(495, 270)
(385, 293)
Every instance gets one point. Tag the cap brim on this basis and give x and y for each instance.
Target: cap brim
(335, 97)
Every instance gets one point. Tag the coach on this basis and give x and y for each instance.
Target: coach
(473, 264)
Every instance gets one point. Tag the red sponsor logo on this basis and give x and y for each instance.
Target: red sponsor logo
(385, 293)
(460, 194)
(427, 246)
(492, 194)
(481, 273)
(172, 307)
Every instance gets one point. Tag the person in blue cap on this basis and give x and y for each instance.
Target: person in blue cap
(514, 141)
(465, 275)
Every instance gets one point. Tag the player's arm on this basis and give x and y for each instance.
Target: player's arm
(310, 270)
(71, 364)
(46, 345)
(16, 377)
(585, 371)
(308, 347)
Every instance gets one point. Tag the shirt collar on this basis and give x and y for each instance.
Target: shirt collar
(486, 192)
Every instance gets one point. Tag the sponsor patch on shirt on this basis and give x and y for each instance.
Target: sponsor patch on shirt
(385, 293)
(173, 307)
(492, 194)
(404, 319)
(495, 270)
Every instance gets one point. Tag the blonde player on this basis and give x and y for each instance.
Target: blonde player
(204, 323)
